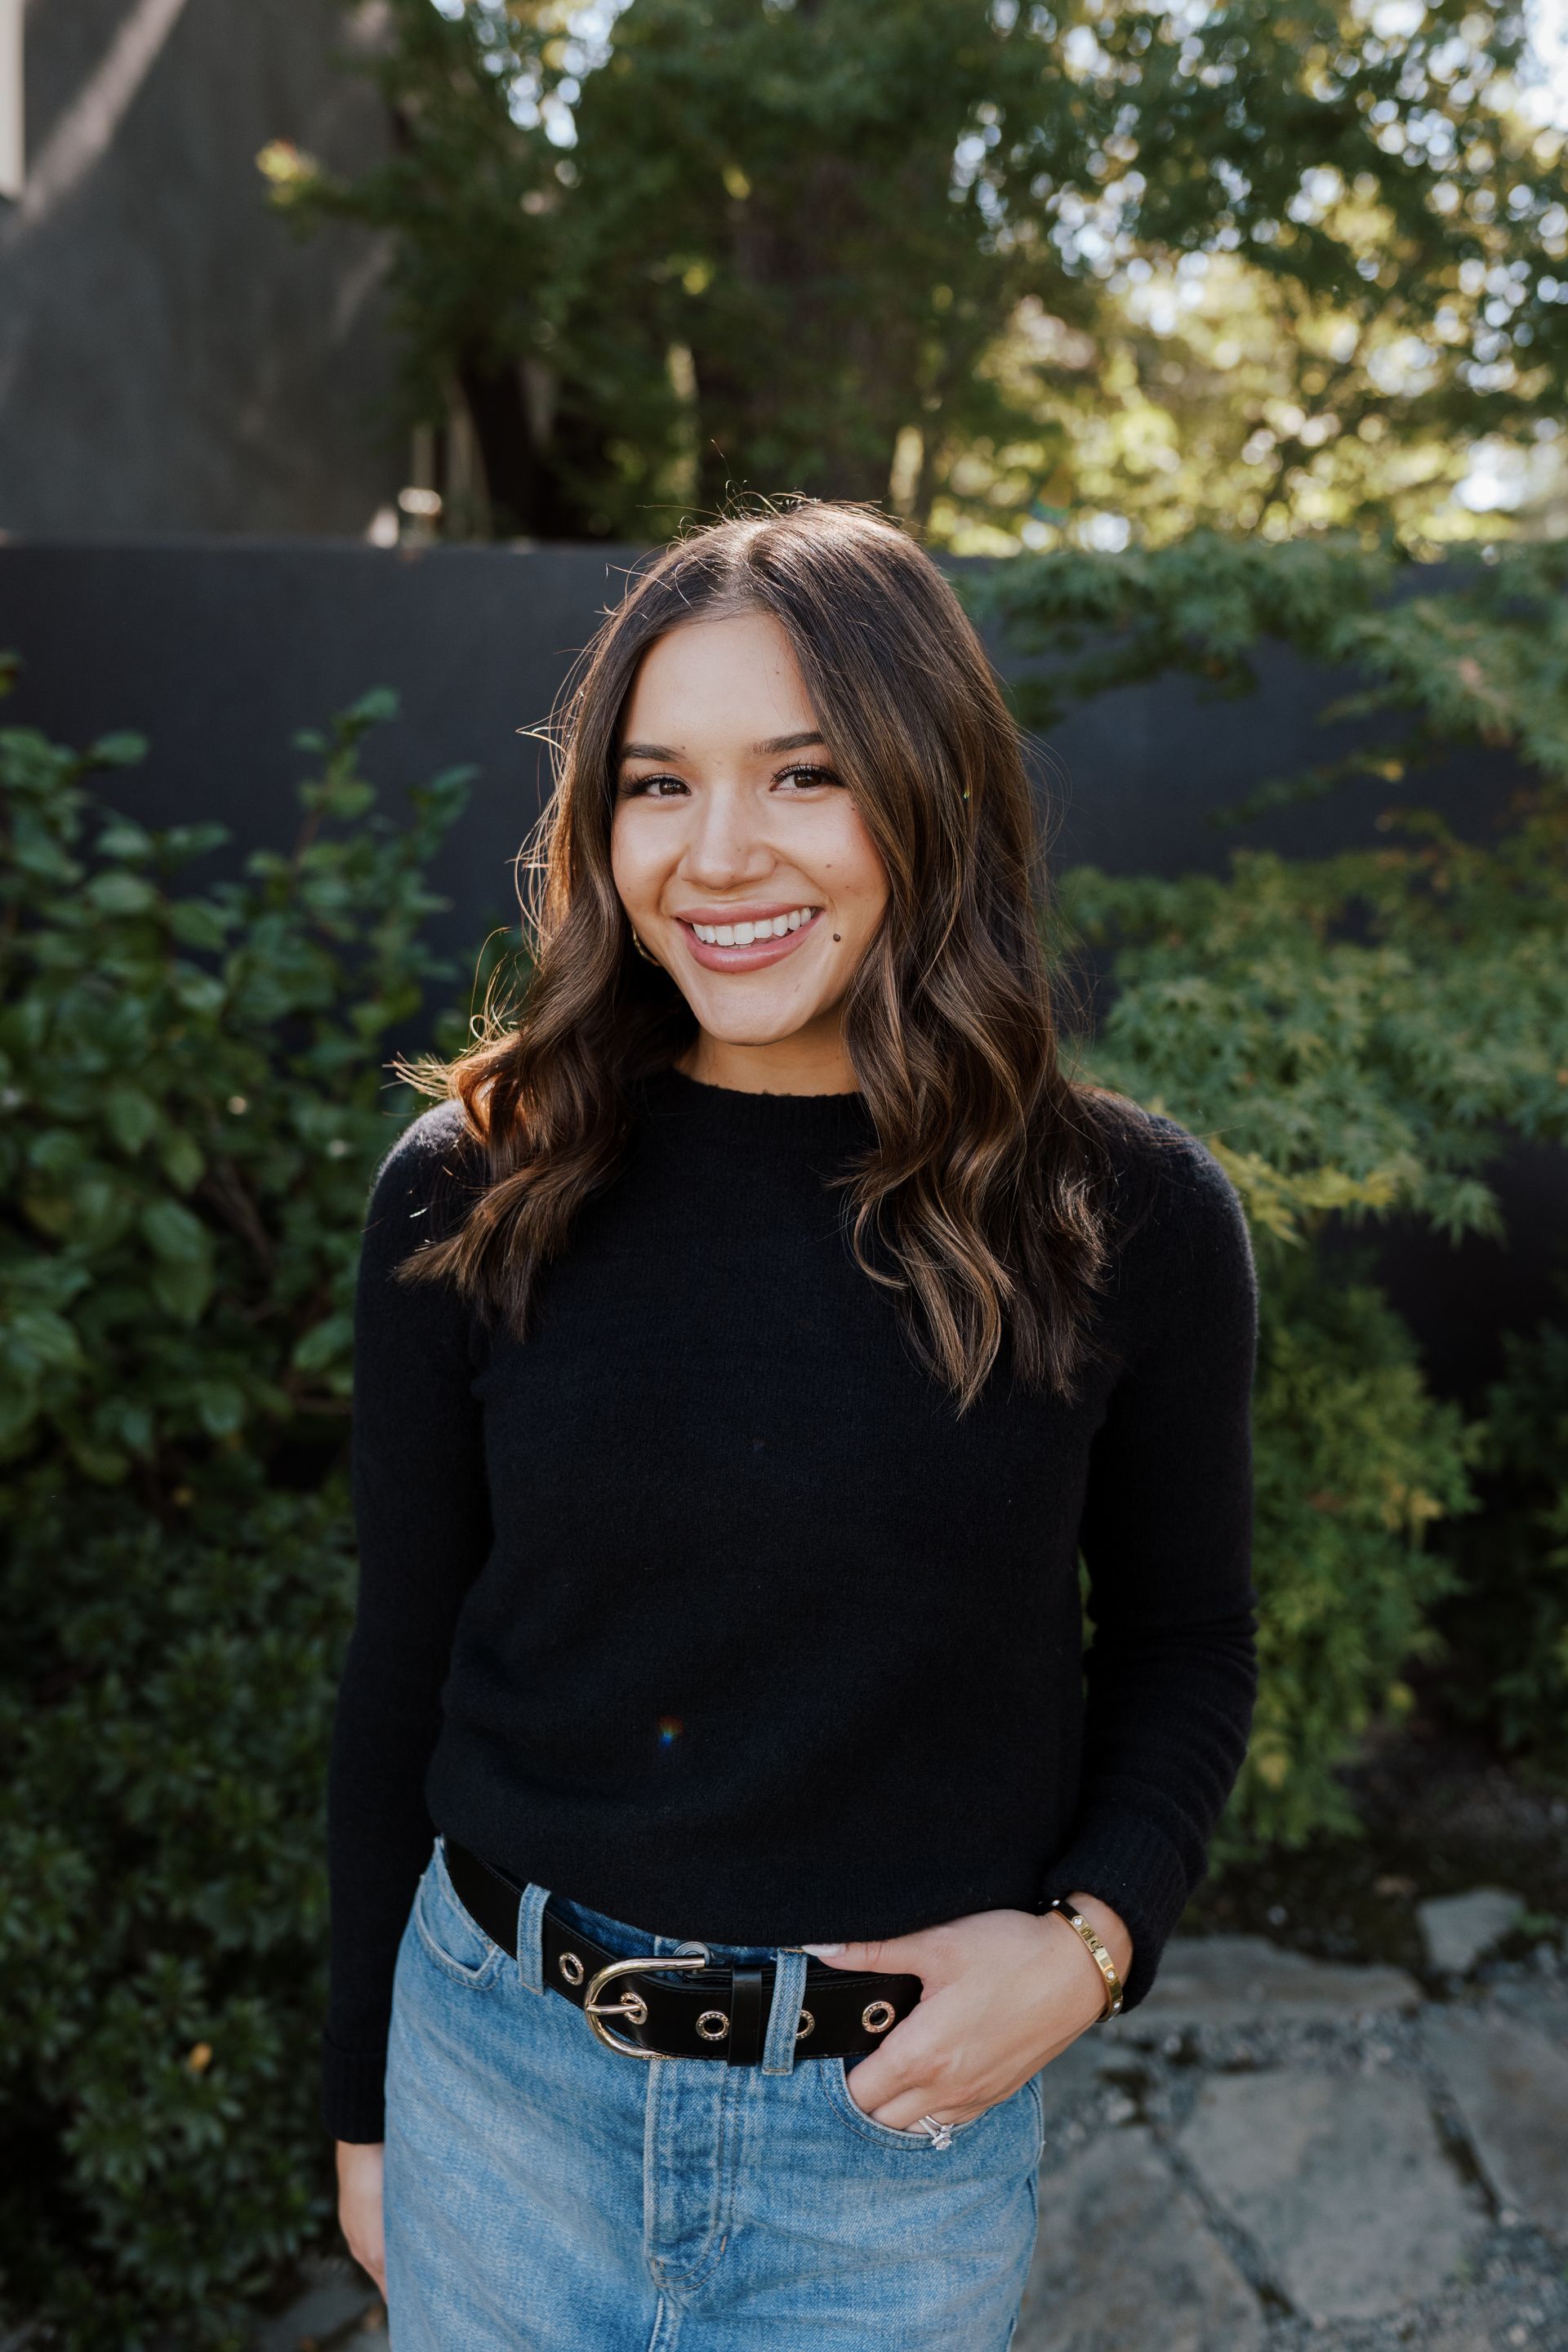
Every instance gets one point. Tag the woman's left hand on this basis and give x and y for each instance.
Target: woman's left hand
(1005, 1991)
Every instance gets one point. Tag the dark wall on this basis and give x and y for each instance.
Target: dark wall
(218, 651)
(171, 357)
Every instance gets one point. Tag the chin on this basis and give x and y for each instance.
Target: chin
(753, 1033)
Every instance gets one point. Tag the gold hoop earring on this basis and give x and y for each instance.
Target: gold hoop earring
(644, 953)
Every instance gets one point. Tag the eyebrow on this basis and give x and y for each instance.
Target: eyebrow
(767, 750)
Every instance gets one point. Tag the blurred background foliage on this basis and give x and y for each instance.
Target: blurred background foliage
(1079, 273)
(196, 1098)
(1356, 1037)
(198, 1075)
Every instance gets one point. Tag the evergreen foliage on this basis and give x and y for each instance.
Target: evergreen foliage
(198, 1100)
(1510, 1617)
(869, 247)
(1354, 1037)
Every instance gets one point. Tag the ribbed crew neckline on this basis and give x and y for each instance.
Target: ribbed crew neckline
(730, 1110)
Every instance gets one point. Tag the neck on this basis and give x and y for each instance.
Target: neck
(811, 1061)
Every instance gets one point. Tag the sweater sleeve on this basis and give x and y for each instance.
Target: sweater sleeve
(1171, 1669)
(422, 1518)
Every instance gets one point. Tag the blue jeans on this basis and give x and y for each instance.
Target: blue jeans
(543, 2192)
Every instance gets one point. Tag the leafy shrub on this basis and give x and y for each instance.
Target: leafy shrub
(196, 1099)
(1354, 1463)
(1353, 1036)
(162, 1906)
(1510, 1619)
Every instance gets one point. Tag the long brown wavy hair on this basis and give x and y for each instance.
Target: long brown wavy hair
(982, 1204)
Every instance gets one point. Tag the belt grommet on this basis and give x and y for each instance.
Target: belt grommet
(807, 2024)
(878, 2015)
(712, 2025)
(571, 1967)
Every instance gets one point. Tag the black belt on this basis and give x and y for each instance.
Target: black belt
(682, 2006)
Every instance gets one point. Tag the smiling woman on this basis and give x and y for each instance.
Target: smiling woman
(982, 1205)
(737, 849)
(745, 1352)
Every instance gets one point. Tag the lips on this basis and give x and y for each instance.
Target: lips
(752, 955)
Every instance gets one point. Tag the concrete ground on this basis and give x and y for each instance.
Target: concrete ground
(1273, 2153)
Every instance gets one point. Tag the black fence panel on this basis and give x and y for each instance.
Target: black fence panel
(219, 650)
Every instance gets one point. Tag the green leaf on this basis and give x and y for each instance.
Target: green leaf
(198, 991)
(125, 750)
(221, 1408)
(197, 923)
(182, 1289)
(182, 1161)
(123, 840)
(175, 1235)
(377, 708)
(326, 1343)
(121, 894)
(131, 1117)
(48, 1340)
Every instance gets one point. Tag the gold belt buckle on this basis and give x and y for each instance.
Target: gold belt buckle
(633, 2008)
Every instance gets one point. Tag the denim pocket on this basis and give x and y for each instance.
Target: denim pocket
(453, 1941)
(1026, 2101)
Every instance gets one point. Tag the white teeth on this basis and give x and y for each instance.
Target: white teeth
(743, 935)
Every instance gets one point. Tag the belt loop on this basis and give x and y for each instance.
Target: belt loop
(744, 2046)
(531, 1938)
(784, 2018)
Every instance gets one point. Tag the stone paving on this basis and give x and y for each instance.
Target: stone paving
(1273, 2153)
(1278, 2153)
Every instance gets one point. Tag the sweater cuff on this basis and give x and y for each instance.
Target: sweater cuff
(1132, 1864)
(353, 2093)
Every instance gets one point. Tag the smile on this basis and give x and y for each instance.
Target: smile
(740, 935)
(748, 945)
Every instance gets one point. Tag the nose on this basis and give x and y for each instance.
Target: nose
(725, 845)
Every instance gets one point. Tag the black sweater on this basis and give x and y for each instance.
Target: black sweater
(705, 1607)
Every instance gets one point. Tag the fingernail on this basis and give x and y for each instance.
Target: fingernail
(821, 1951)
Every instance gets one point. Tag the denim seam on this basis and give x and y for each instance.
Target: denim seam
(1038, 2088)
(674, 2283)
(473, 1979)
(835, 2087)
(531, 1938)
(783, 2017)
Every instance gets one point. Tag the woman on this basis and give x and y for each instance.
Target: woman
(744, 1353)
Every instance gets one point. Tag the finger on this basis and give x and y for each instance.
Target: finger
(907, 2112)
(891, 1956)
(907, 2063)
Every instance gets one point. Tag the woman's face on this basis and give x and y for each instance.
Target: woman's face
(740, 857)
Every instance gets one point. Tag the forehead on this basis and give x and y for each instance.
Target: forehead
(731, 681)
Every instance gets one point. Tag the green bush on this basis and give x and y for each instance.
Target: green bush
(1510, 1619)
(197, 1099)
(1354, 1037)
(163, 1907)
(1354, 1463)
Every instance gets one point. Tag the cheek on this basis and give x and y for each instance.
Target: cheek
(632, 867)
(859, 870)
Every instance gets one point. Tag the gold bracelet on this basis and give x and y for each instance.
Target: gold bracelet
(1098, 1953)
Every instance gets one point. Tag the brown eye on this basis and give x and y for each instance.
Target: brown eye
(658, 788)
(806, 775)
